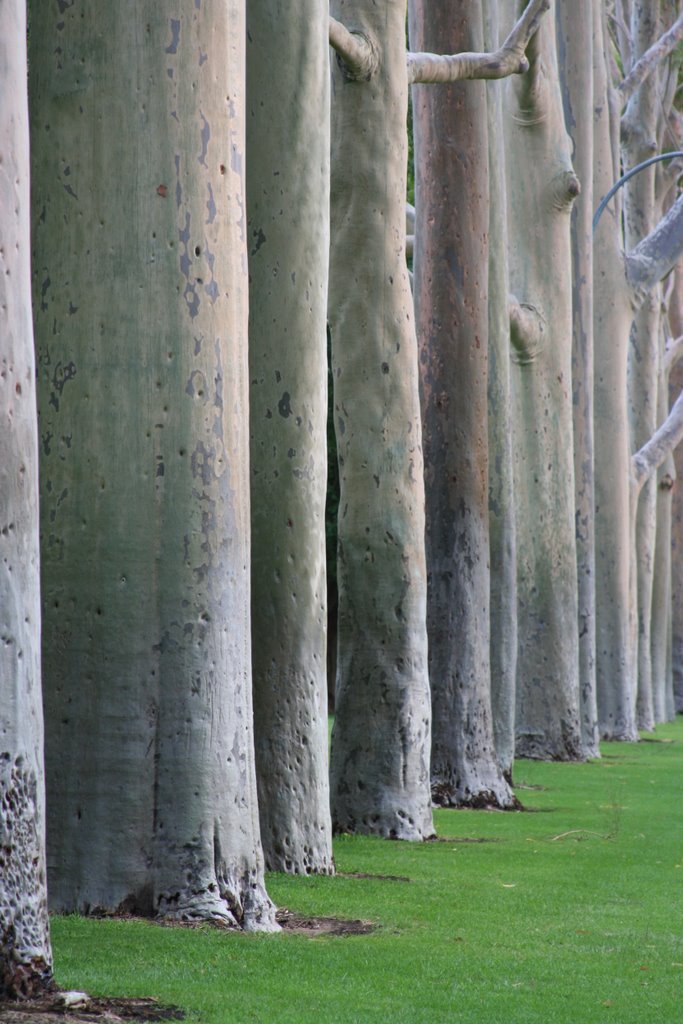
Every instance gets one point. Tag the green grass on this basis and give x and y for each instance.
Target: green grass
(574, 914)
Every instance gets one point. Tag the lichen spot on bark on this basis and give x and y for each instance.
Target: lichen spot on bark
(25, 969)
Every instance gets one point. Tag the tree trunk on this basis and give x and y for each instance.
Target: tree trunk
(25, 953)
(543, 187)
(141, 321)
(639, 141)
(503, 545)
(451, 303)
(575, 50)
(675, 388)
(288, 231)
(381, 739)
(615, 583)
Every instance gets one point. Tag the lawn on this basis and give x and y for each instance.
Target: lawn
(572, 912)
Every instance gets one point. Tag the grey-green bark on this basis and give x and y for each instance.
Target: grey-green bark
(502, 543)
(641, 212)
(451, 304)
(675, 319)
(575, 51)
(381, 739)
(288, 234)
(542, 188)
(25, 953)
(140, 284)
(614, 581)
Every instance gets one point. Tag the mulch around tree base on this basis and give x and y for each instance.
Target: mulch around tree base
(50, 1010)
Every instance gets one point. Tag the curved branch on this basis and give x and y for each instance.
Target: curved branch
(654, 257)
(658, 52)
(661, 444)
(357, 53)
(508, 60)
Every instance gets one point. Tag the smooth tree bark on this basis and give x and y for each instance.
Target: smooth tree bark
(25, 952)
(288, 236)
(675, 318)
(140, 284)
(542, 189)
(451, 264)
(613, 313)
(641, 213)
(381, 738)
(575, 53)
(502, 540)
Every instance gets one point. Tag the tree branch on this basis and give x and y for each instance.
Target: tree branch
(356, 52)
(673, 353)
(658, 52)
(527, 330)
(509, 59)
(650, 457)
(654, 257)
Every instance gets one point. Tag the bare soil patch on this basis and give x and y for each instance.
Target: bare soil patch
(51, 1010)
(314, 926)
(462, 839)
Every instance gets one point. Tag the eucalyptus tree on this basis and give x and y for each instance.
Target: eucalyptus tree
(675, 387)
(381, 737)
(380, 749)
(542, 189)
(641, 212)
(502, 537)
(288, 231)
(575, 40)
(627, 271)
(140, 280)
(25, 952)
(451, 297)
(614, 581)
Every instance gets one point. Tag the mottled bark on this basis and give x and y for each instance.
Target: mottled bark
(25, 953)
(575, 50)
(381, 739)
(502, 542)
(508, 59)
(543, 187)
(614, 580)
(641, 213)
(140, 285)
(451, 306)
(675, 389)
(288, 231)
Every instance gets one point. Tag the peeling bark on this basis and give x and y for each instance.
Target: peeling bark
(25, 953)
(141, 320)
